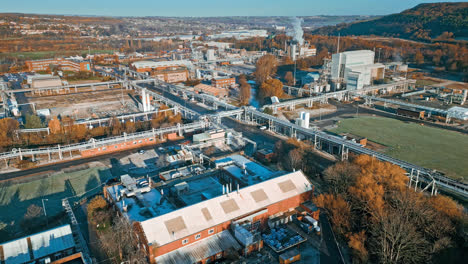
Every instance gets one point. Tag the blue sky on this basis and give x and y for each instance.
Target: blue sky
(209, 7)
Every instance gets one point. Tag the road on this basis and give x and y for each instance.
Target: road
(56, 167)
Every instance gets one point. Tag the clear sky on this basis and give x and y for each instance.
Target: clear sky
(199, 8)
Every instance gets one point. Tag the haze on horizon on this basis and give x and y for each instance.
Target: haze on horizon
(211, 8)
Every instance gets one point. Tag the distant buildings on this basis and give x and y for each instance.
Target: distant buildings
(41, 81)
(167, 71)
(223, 82)
(52, 246)
(210, 55)
(241, 34)
(208, 89)
(62, 64)
(356, 68)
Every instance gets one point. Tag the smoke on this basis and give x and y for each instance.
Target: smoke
(296, 31)
(396, 56)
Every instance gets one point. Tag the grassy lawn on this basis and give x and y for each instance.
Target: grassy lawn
(37, 55)
(16, 198)
(434, 148)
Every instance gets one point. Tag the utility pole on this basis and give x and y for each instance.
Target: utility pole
(45, 213)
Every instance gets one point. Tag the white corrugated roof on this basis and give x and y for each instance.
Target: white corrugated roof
(42, 244)
(52, 241)
(16, 251)
(195, 218)
(200, 250)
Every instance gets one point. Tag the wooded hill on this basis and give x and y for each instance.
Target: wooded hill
(443, 21)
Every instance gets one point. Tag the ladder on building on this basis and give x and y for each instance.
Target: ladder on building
(77, 236)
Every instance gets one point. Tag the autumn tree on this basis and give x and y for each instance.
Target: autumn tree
(419, 58)
(338, 209)
(265, 68)
(388, 222)
(244, 90)
(289, 78)
(271, 87)
(8, 128)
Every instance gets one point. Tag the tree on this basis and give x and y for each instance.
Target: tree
(419, 58)
(271, 87)
(338, 209)
(294, 159)
(395, 239)
(357, 243)
(54, 125)
(9, 127)
(289, 78)
(265, 68)
(122, 242)
(341, 175)
(244, 91)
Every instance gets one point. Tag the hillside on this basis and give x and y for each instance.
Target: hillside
(423, 22)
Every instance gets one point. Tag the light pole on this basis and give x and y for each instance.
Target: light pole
(45, 212)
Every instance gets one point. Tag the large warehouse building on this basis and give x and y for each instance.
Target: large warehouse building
(62, 64)
(217, 218)
(167, 71)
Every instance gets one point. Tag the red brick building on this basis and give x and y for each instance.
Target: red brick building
(222, 82)
(171, 237)
(63, 64)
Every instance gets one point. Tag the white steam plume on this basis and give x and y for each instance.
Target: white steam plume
(296, 31)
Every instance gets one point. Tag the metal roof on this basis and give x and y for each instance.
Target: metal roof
(206, 214)
(42, 244)
(200, 250)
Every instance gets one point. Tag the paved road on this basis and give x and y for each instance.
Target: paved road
(60, 166)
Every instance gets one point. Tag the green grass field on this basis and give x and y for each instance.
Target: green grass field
(443, 150)
(15, 199)
(37, 55)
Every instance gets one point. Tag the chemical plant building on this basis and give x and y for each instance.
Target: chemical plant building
(61, 63)
(167, 71)
(201, 218)
(356, 68)
(52, 246)
(223, 82)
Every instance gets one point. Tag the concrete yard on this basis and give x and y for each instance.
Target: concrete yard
(430, 147)
(85, 105)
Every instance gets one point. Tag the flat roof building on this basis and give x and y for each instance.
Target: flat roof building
(61, 63)
(194, 217)
(56, 245)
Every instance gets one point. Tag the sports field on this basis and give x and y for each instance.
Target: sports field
(16, 198)
(443, 150)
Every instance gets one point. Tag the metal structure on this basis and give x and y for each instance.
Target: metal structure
(77, 235)
(65, 87)
(93, 143)
(341, 147)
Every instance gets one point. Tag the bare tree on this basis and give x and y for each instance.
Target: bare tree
(121, 242)
(341, 175)
(294, 160)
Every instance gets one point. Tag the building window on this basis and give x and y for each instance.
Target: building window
(197, 236)
(211, 231)
(185, 241)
